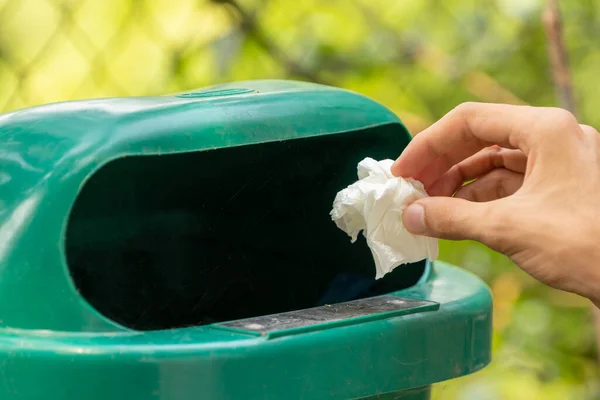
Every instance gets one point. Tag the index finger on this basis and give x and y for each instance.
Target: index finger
(481, 125)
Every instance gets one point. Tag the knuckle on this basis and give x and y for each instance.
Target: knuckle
(458, 175)
(498, 228)
(495, 156)
(500, 174)
(466, 109)
(589, 130)
(562, 118)
(464, 114)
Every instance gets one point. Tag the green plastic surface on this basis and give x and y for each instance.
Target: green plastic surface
(115, 267)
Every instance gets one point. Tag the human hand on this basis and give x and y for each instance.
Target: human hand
(536, 194)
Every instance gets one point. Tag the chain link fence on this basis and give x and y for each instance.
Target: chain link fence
(53, 50)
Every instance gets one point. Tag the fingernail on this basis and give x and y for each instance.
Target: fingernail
(414, 219)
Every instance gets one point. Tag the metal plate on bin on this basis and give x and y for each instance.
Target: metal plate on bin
(340, 314)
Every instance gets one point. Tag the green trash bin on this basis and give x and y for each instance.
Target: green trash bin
(180, 247)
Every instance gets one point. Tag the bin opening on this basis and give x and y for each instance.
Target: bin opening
(167, 241)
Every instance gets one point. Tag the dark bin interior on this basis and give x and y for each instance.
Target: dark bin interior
(159, 242)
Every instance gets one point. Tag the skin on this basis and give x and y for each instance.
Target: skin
(534, 195)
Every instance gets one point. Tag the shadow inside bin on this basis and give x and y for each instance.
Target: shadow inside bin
(159, 242)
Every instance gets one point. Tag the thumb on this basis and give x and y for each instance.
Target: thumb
(455, 219)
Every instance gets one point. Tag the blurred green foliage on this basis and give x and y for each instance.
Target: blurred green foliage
(418, 57)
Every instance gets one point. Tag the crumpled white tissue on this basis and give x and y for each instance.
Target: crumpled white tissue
(374, 205)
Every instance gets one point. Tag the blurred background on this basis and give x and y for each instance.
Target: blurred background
(418, 57)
